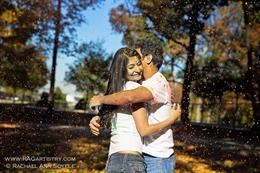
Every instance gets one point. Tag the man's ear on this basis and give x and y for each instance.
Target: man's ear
(148, 59)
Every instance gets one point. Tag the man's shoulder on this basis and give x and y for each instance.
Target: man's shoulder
(159, 75)
(157, 78)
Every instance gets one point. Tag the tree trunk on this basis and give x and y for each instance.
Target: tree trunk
(14, 94)
(235, 119)
(202, 110)
(249, 73)
(187, 79)
(23, 95)
(172, 66)
(220, 106)
(55, 53)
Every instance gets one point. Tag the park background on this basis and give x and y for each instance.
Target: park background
(63, 48)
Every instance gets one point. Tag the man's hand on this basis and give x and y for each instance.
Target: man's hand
(94, 125)
(95, 101)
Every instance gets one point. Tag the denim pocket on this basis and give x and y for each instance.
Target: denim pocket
(114, 167)
(136, 166)
(114, 164)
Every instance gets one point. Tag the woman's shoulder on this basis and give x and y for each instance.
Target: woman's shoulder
(131, 85)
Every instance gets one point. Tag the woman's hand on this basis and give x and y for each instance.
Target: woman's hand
(175, 112)
(94, 125)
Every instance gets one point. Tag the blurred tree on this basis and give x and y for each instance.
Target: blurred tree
(18, 22)
(60, 98)
(29, 73)
(180, 22)
(252, 23)
(57, 22)
(132, 24)
(135, 28)
(224, 55)
(90, 72)
(22, 65)
(59, 95)
(226, 68)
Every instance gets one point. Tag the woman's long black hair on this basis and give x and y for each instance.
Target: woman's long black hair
(117, 80)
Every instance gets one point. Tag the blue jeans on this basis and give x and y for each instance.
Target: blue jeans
(159, 165)
(125, 163)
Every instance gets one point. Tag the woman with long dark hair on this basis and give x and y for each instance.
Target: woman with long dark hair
(129, 123)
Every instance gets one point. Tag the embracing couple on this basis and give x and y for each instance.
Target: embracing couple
(138, 105)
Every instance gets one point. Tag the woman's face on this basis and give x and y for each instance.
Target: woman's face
(134, 69)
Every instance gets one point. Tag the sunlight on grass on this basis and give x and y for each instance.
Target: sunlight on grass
(194, 165)
(9, 126)
(92, 153)
(72, 171)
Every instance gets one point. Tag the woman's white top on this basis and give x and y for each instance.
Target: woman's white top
(124, 135)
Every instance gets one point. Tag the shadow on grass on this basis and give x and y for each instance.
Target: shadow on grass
(73, 146)
(207, 158)
(192, 158)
